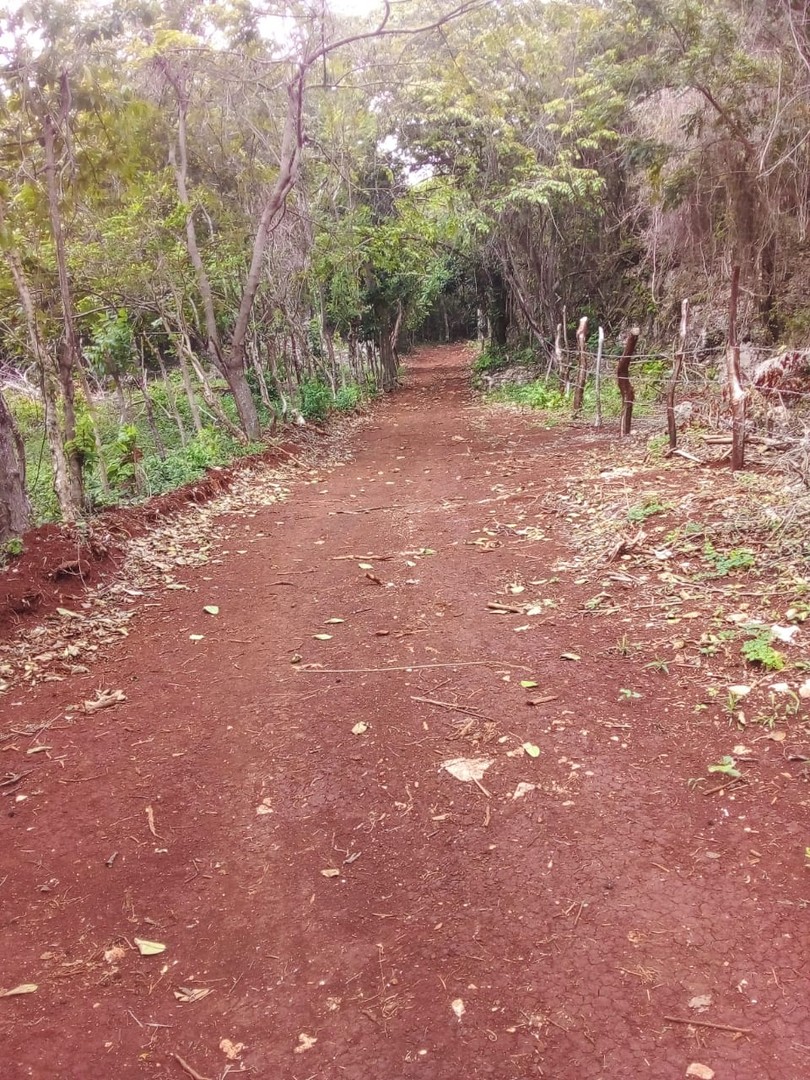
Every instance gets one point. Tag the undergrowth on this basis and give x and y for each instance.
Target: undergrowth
(139, 461)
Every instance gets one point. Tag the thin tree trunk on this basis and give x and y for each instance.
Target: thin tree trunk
(68, 358)
(171, 398)
(68, 508)
(14, 507)
(736, 392)
(677, 365)
(91, 412)
(582, 371)
(232, 369)
(147, 405)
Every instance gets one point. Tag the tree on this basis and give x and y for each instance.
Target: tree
(14, 506)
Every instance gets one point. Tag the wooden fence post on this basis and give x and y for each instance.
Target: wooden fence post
(734, 383)
(623, 378)
(677, 364)
(599, 349)
(582, 371)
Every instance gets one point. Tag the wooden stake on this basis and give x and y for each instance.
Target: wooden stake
(736, 392)
(677, 364)
(582, 372)
(600, 347)
(623, 378)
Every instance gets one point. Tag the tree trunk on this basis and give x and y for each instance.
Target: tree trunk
(69, 509)
(582, 371)
(147, 405)
(677, 364)
(14, 507)
(171, 398)
(498, 311)
(736, 392)
(68, 358)
(623, 378)
(232, 368)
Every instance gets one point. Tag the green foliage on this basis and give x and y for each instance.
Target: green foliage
(758, 650)
(491, 359)
(535, 395)
(727, 562)
(650, 505)
(314, 400)
(727, 766)
(84, 441)
(348, 398)
(11, 549)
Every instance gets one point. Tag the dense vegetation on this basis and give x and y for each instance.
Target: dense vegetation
(218, 216)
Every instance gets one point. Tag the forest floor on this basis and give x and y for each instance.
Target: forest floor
(427, 791)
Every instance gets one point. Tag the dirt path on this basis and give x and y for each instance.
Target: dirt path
(355, 910)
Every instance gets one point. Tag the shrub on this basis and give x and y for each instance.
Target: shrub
(314, 400)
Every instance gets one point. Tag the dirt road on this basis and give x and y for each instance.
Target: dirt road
(270, 803)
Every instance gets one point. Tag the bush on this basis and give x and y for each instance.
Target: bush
(535, 395)
(348, 398)
(314, 400)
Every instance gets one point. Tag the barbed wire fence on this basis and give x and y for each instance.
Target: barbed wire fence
(712, 408)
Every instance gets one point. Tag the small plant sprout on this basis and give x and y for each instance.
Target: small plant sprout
(659, 665)
(726, 765)
(807, 854)
(628, 695)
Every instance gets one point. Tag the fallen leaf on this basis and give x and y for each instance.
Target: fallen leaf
(700, 1002)
(196, 637)
(527, 684)
(264, 807)
(187, 996)
(458, 1007)
(105, 699)
(569, 656)
(211, 609)
(231, 1050)
(700, 1072)
(23, 988)
(330, 872)
(523, 789)
(467, 769)
(531, 749)
(333, 622)
(322, 637)
(740, 690)
(149, 948)
(785, 634)
(305, 1042)
(366, 566)
(360, 728)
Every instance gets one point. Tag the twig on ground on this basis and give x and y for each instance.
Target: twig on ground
(728, 784)
(708, 1024)
(455, 708)
(184, 1065)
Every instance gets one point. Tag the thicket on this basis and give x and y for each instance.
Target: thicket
(257, 207)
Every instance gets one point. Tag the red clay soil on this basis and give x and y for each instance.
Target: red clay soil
(354, 909)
